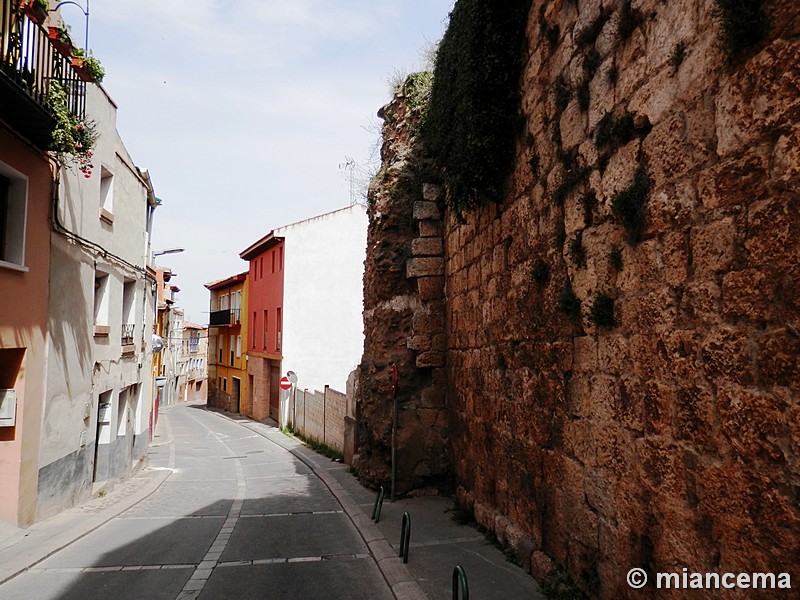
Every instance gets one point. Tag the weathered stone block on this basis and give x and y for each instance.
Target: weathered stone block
(424, 209)
(430, 288)
(773, 226)
(755, 425)
(430, 228)
(432, 192)
(430, 358)
(429, 246)
(745, 294)
(714, 247)
(726, 355)
(424, 267)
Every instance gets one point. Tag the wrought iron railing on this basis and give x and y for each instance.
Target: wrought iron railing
(29, 60)
(228, 316)
(127, 333)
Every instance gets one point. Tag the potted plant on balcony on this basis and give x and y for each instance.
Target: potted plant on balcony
(72, 140)
(59, 37)
(35, 10)
(88, 68)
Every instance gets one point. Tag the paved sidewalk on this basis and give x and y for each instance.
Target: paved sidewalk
(437, 543)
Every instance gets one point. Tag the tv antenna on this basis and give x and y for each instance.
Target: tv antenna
(350, 165)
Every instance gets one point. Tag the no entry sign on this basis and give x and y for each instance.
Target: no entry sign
(285, 383)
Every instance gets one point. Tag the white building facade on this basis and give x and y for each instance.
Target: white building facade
(102, 300)
(323, 298)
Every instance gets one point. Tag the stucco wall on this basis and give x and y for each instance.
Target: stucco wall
(323, 280)
(23, 325)
(83, 364)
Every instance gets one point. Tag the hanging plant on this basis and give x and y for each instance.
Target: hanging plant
(35, 10)
(59, 37)
(72, 139)
(88, 68)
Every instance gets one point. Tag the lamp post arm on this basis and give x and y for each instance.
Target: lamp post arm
(86, 14)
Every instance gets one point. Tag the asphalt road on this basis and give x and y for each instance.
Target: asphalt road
(238, 517)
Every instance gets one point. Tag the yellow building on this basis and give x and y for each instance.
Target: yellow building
(227, 348)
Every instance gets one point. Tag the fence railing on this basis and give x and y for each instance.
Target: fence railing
(30, 61)
(128, 330)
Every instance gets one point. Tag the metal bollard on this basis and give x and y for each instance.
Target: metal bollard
(405, 536)
(376, 509)
(460, 576)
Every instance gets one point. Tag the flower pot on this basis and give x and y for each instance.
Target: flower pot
(33, 12)
(63, 47)
(79, 66)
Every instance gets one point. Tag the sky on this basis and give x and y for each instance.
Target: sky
(246, 111)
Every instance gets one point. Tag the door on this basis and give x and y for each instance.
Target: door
(274, 390)
(235, 394)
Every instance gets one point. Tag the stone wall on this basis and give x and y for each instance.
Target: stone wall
(622, 379)
(403, 313)
(657, 428)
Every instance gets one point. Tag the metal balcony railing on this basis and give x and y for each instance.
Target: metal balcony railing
(224, 318)
(127, 333)
(29, 63)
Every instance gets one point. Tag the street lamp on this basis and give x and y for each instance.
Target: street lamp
(168, 251)
(86, 14)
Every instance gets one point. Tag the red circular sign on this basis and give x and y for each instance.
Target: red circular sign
(285, 383)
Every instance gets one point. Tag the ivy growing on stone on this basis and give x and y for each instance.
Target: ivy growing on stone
(743, 24)
(569, 303)
(629, 205)
(577, 251)
(473, 114)
(601, 312)
(540, 273)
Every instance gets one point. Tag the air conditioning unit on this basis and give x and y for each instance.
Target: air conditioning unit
(8, 407)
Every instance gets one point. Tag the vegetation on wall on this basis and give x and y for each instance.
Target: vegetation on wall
(629, 205)
(743, 24)
(473, 113)
(601, 312)
(72, 140)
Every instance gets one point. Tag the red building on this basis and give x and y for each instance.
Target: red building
(265, 325)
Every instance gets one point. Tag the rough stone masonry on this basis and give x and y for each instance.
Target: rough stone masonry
(658, 426)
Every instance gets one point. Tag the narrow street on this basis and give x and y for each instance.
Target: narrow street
(239, 516)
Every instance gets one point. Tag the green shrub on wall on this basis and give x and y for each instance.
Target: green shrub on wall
(472, 118)
(743, 24)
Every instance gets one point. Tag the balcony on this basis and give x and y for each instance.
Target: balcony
(127, 333)
(28, 64)
(225, 318)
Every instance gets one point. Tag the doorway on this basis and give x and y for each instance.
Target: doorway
(236, 386)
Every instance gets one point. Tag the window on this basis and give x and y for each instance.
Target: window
(273, 261)
(255, 331)
(232, 347)
(238, 346)
(280, 261)
(219, 347)
(278, 328)
(13, 208)
(106, 195)
(101, 293)
(128, 311)
(224, 384)
(264, 345)
(122, 409)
